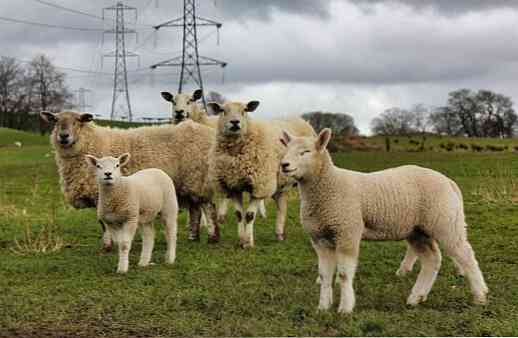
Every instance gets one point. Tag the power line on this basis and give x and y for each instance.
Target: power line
(40, 24)
(76, 11)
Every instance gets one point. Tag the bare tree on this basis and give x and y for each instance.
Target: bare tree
(339, 123)
(13, 93)
(394, 121)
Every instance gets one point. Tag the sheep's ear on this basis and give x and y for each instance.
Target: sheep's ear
(323, 139)
(286, 138)
(48, 116)
(167, 96)
(91, 160)
(216, 108)
(251, 106)
(86, 118)
(124, 159)
(198, 93)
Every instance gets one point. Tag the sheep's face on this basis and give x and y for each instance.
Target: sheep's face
(183, 104)
(233, 117)
(67, 127)
(107, 169)
(303, 155)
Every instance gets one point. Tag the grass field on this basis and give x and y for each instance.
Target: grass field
(221, 290)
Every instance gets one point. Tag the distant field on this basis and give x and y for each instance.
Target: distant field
(221, 290)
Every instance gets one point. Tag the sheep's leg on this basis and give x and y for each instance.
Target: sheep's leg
(262, 209)
(209, 209)
(222, 210)
(148, 242)
(326, 270)
(107, 237)
(170, 220)
(408, 262)
(194, 219)
(251, 212)
(346, 261)
(463, 254)
(238, 205)
(458, 267)
(281, 200)
(430, 256)
(124, 238)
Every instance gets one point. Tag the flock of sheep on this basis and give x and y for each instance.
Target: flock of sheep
(132, 176)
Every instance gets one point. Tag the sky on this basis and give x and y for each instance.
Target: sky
(358, 57)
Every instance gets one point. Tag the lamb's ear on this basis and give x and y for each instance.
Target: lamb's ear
(48, 116)
(84, 118)
(251, 106)
(323, 139)
(167, 96)
(91, 160)
(124, 159)
(216, 108)
(198, 93)
(286, 138)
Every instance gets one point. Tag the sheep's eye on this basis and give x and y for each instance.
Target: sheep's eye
(117, 165)
(304, 152)
(98, 166)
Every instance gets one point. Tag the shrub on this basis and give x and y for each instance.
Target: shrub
(476, 147)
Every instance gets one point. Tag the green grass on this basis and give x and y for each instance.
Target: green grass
(221, 290)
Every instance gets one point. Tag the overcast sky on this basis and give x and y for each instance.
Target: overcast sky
(357, 57)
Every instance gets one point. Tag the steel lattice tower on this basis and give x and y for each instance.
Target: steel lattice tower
(120, 78)
(190, 60)
(82, 104)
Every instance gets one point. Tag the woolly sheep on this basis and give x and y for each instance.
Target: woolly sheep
(181, 151)
(339, 207)
(185, 107)
(245, 158)
(127, 202)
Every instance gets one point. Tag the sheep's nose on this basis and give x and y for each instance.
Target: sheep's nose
(64, 135)
(234, 122)
(108, 174)
(179, 112)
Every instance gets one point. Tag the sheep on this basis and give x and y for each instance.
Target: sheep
(245, 158)
(181, 151)
(186, 107)
(340, 207)
(127, 202)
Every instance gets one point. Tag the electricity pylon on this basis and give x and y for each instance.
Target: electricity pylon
(82, 104)
(190, 60)
(120, 111)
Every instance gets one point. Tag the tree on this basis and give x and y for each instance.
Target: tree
(476, 114)
(394, 121)
(14, 85)
(339, 123)
(48, 87)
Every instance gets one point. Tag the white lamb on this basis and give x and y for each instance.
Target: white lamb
(125, 202)
(339, 207)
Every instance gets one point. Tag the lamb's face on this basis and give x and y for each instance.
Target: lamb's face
(233, 117)
(107, 169)
(182, 104)
(303, 154)
(67, 127)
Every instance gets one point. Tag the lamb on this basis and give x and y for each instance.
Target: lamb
(181, 151)
(245, 158)
(340, 207)
(186, 107)
(127, 202)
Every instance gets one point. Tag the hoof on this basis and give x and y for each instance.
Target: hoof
(122, 272)
(414, 300)
(222, 220)
(281, 237)
(213, 239)
(106, 249)
(480, 300)
(402, 271)
(246, 245)
(344, 311)
(194, 237)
